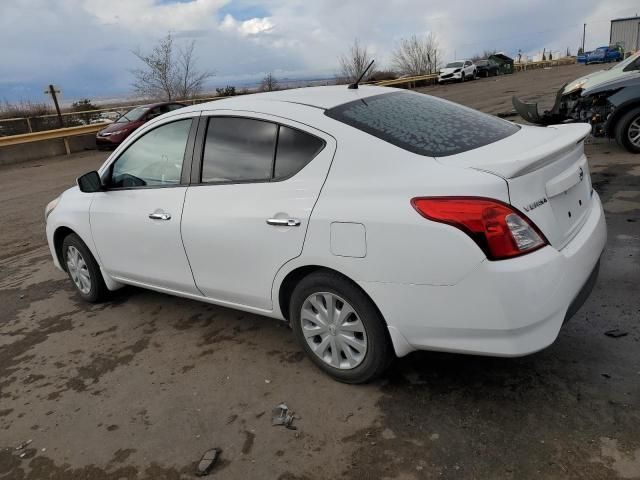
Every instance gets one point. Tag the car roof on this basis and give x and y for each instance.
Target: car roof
(314, 97)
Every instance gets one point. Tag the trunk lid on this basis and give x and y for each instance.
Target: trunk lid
(547, 173)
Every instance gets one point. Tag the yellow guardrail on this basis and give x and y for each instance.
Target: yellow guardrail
(401, 81)
(115, 109)
(65, 133)
(516, 67)
(544, 64)
(60, 133)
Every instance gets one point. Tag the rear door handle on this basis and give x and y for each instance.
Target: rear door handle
(284, 222)
(157, 215)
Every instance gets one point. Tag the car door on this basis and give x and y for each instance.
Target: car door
(257, 180)
(468, 68)
(135, 221)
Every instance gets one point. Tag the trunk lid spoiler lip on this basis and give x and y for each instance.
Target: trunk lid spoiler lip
(555, 142)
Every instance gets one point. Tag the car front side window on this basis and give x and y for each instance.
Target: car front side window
(155, 159)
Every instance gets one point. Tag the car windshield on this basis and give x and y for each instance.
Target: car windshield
(482, 62)
(454, 65)
(626, 62)
(423, 124)
(133, 115)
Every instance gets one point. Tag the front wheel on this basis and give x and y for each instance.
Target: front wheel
(627, 131)
(462, 78)
(83, 270)
(340, 328)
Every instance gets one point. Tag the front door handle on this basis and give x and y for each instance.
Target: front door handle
(157, 215)
(284, 222)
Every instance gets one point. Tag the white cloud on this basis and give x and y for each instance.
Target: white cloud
(253, 26)
(85, 45)
(149, 15)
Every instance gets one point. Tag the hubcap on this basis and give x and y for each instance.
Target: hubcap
(78, 270)
(634, 132)
(333, 330)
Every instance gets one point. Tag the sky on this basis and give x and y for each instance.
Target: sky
(85, 46)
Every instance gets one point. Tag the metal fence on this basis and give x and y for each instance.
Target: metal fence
(41, 123)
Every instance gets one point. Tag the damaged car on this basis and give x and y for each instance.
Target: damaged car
(609, 100)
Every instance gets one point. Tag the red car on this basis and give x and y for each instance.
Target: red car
(115, 133)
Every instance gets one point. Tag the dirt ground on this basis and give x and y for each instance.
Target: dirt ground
(140, 387)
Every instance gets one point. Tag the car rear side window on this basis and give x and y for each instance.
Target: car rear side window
(244, 150)
(238, 150)
(423, 124)
(295, 150)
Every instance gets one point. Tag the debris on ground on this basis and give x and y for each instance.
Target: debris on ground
(207, 462)
(605, 375)
(282, 416)
(616, 333)
(24, 445)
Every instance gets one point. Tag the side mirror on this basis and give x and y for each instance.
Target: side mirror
(90, 182)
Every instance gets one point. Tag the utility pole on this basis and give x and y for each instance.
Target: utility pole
(51, 90)
(584, 30)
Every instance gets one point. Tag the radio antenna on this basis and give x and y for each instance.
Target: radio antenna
(354, 85)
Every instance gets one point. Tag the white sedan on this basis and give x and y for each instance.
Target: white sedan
(375, 221)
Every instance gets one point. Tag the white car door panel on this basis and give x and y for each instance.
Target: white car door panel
(135, 221)
(240, 230)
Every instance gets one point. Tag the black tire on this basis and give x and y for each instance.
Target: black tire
(379, 351)
(463, 78)
(621, 130)
(98, 290)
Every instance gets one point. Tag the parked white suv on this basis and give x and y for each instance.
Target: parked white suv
(376, 221)
(458, 72)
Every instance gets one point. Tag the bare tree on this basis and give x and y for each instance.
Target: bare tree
(484, 55)
(169, 73)
(354, 63)
(417, 55)
(269, 83)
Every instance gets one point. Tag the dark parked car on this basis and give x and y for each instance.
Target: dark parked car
(115, 133)
(487, 68)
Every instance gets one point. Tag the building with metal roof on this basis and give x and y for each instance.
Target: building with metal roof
(626, 33)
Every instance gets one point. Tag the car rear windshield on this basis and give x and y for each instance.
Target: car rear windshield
(423, 124)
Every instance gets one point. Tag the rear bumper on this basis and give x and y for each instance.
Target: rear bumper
(507, 308)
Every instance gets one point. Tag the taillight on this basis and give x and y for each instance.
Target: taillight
(499, 230)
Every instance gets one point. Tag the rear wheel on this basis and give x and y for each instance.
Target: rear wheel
(340, 328)
(83, 270)
(627, 131)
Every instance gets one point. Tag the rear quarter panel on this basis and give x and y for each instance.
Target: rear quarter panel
(372, 183)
